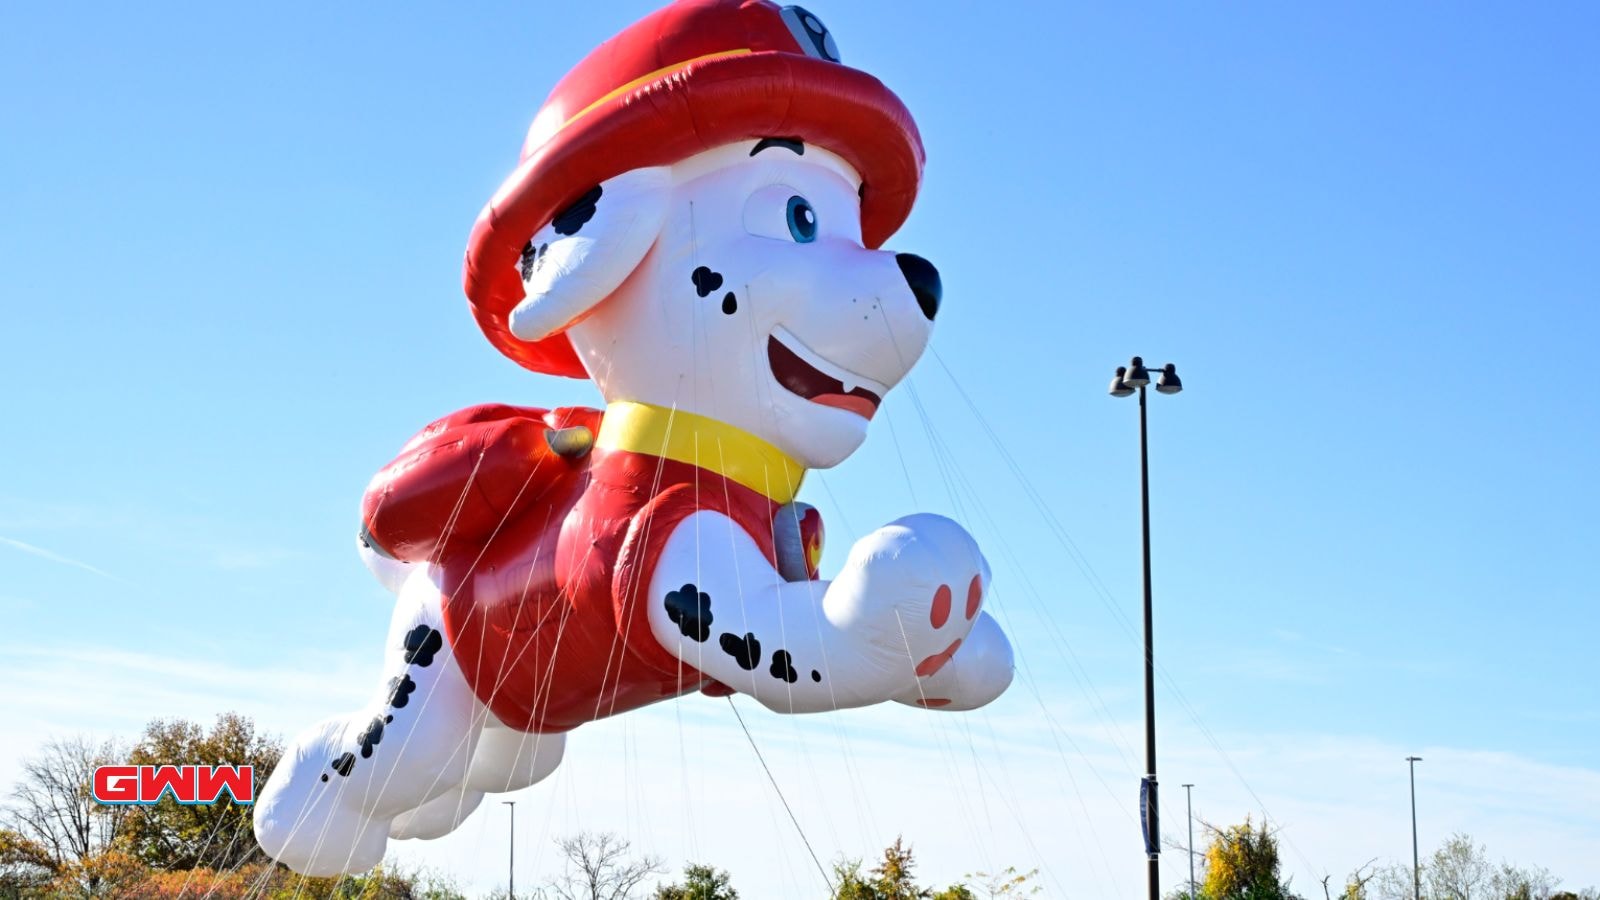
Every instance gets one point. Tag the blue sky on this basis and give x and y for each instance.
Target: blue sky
(229, 268)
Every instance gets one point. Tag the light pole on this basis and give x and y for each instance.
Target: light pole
(1188, 795)
(511, 852)
(1416, 867)
(1129, 378)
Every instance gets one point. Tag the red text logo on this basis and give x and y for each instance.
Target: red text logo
(189, 785)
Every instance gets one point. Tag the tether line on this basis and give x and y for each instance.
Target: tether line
(784, 800)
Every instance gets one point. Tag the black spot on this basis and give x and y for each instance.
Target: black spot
(569, 220)
(783, 667)
(705, 280)
(746, 651)
(690, 609)
(815, 675)
(388, 719)
(324, 776)
(400, 691)
(786, 143)
(525, 265)
(730, 303)
(371, 737)
(422, 642)
(344, 763)
(532, 259)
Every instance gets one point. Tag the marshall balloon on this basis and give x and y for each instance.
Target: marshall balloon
(695, 225)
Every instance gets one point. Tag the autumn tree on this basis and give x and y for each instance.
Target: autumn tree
(850, 883)
(171, 835)
(25, 865)
(269, 881)
(109, 873)
(894, 873)
(891, 880)
(1007, 883)
(699, 883)
(1242, 864)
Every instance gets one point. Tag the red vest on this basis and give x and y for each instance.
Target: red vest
(547, 561)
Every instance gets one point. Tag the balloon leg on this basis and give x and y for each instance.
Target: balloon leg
(505, 760)
(980, 671)
(329, 804)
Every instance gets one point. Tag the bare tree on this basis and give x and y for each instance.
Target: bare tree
(1008, 883)
(52, 810)
(600, 866)
(1190, 855)
(1515, 883)
(1355, 887)
(1459, 869)
(1392, 882)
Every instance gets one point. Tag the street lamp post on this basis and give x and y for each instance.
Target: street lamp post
(511, 852)
(1129, 378)
(1416, 867)
(1188, 795)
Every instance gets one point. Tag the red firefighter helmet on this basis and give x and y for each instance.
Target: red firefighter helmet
(684, 79)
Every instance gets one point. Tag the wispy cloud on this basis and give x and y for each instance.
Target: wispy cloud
(176, 531)
(32, 514)
(56, 689)
(51, 555)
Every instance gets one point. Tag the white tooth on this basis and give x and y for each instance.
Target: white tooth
(848, 387)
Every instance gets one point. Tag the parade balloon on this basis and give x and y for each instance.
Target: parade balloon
(695, 225)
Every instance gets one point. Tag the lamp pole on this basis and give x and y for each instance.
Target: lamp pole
(511, 852)
(1188, 794)
(1416, 867)
(1129, 378)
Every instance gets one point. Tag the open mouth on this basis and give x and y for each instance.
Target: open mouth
(808, 375)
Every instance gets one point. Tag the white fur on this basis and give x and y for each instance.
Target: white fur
(577, 271)
(863, 633)
(621, 287)
(654, 340)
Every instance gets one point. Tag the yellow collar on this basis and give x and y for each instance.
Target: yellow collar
(698, 441)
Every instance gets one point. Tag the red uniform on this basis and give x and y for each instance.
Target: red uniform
(546, 559)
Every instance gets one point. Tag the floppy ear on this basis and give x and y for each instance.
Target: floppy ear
(588, 249)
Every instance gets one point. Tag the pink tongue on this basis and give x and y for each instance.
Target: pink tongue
(849, 403)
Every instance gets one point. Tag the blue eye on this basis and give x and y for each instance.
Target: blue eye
(802, 220)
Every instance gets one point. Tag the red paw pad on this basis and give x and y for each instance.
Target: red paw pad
(936, 662)
(941, 606)
(932, 702)
(974, 595)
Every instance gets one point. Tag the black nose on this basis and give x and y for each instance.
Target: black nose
(924, 281)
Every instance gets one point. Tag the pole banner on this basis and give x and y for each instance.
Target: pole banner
(1149, 816)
